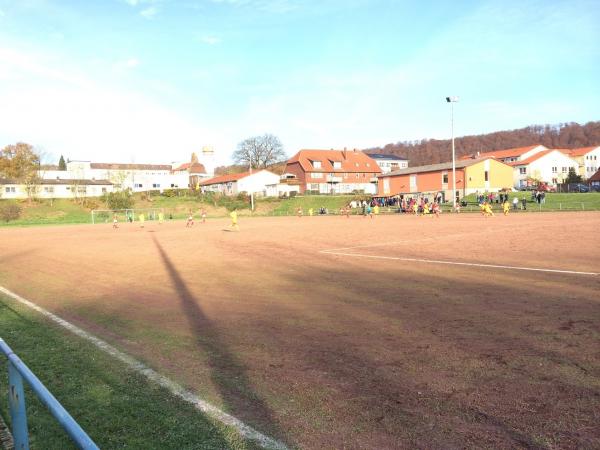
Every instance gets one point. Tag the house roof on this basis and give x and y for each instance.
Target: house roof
(507, 153)
(435, 167)
(580, 151)
(384, 156)
(54, 181)
(191, 167)
(225, 178)
(532, 158)
(351, 161)
(119, 166)
(595, 177)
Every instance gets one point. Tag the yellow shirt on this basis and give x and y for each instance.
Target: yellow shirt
(233, 216)
(376, 209)
(142, 218)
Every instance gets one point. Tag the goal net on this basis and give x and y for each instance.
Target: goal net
(124, 215)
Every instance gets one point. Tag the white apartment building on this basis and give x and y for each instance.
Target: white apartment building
(587, 158)
(389, 163)
(255, 182)
(73, 188)
(549, 166)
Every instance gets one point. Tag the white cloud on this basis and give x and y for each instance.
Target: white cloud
(149, 12)
(210, 40)
(272, 6)
(51, 105)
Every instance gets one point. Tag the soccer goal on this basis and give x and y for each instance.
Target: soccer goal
(124, 215)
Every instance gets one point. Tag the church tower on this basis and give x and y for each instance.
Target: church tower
(208, 159)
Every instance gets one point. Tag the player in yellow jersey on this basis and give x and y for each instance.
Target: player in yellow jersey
(506, 207)
(142, 220)
(234, 224)
(487, 210)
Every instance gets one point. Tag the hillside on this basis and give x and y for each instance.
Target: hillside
(432, 151)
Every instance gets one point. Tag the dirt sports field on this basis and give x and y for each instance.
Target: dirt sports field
(328, 332)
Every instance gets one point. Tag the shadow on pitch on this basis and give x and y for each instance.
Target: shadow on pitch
(227, 372)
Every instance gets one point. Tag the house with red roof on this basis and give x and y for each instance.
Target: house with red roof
(549, 166)
(587, 158)
(334, 171)
(509, 155)
(255, 182)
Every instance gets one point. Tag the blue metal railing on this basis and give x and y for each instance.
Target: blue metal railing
(17, 372)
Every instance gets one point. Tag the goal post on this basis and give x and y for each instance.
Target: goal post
(124, 215)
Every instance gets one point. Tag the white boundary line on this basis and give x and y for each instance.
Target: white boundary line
(175, 389)
(457, 263)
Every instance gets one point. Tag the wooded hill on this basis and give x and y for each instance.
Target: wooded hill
(432, 151)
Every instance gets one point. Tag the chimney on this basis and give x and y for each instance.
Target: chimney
(344, 152)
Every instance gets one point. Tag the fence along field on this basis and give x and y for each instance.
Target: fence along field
(322, 350)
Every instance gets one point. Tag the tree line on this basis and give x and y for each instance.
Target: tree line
(433, 151)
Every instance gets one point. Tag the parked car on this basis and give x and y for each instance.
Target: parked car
(595, 188)
(545, 187)
(577, 187)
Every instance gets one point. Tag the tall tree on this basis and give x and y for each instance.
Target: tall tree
(62, 165)
(259, 151)
(22, 163)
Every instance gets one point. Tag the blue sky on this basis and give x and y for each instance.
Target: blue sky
(154, 80)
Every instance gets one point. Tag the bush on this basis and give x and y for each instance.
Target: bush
(118, 200)
(9, 211)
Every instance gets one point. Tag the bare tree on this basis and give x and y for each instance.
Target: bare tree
(259, 151)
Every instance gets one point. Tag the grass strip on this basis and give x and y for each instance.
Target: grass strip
(117, 407)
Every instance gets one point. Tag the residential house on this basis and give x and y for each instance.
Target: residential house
(389, 163)
(510, 154)
(334, 171)
(549, 166)
(56, 188)
(255, 182)
(587, 159)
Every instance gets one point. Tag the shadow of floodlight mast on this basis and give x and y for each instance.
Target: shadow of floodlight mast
(228, 374)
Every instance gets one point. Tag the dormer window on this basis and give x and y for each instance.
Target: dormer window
(316, 164)
(337, 165)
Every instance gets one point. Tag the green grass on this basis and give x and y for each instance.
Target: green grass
(117, 407)
(65, 211)
(554, 201)
(331, 202)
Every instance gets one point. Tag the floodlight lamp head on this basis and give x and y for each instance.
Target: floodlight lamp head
(452, 99)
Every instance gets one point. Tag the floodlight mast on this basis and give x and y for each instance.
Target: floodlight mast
(452, 100)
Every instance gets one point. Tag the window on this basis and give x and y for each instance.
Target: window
(9, 189)
(103, 190)
(316, 175)
(357, 175)
(564, 170)
(316, 164)
(486, 174)
(314, 187)
(49, 189)
(522, 170)
(337, 165)
(554, 169)
(445, 178)
(155, 185)
(368, 165)
(364, 175)
(81, 189)
(137, 185)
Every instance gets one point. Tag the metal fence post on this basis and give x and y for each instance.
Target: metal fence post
(16, 401)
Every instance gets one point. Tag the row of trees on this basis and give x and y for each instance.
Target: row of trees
(432, 151)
